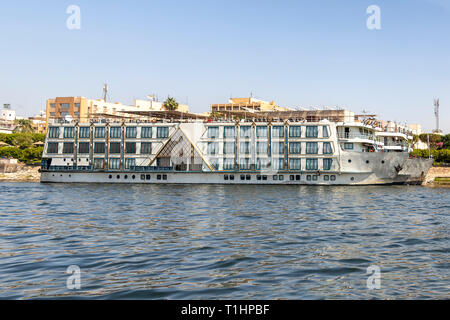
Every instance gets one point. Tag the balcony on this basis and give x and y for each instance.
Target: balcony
(348, 135)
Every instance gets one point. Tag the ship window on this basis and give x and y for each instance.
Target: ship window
(247, 177)
(231, 176)
(99, 147)
(228, 132)
(158, 177)
(244, 147)
(133, 176)
(278, 148)
(295, 131)
(382, 161)
(297, 177)
(115, 132)
(242, 177)
(325, 132)
(275, 177)
(349, 160)
(213, 132)
(228, 148)
(99, 163)
(130, 162)
(110, 176)
(69, 132)
(261, 131)
(114, 163)
(291, 177)
(312, 164)
(147, 177)
(213, 148)
(99, 132)
(68, 147)
(261, 147)
(225, 177)
(130, 147)
(146, 132)
(84, 132)
(114, 147)
(142, 176)
(280, 177)
(352, 178)
(146, 147)
(332, 177)
(326, 177)
(294, 164)
(348, 146)
(278, 132)
(118, 176)
(314, 178)
(228, 164)
(264, 177)
(244, 163)
(164, 176)
(52, 147)
(327, 148)
(327, 163)
(308, 177)
(53, 132)
(367, 161)
(126, 177)
(83, 147)
(262, 163)
(258, 177)
(295, 147)
(245, 132)
(312, 148)
(131, 132)
(312, 132)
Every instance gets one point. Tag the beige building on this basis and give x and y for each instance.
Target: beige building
(84, 109)
(246, 104)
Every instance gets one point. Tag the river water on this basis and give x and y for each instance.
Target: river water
(224, 242)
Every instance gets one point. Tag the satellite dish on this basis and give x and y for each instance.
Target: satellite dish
(68, 118)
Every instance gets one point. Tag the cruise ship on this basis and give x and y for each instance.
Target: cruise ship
(285, 148)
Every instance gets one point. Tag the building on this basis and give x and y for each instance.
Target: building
(246, 104)
(39, 122)
(84, 109)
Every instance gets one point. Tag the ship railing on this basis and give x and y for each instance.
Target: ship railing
(348, 135)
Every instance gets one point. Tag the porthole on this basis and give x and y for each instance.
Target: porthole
(158, 177)
(382, 161)
(349, 160)
(147, 177)
(308, 177)
(225, 177)
(326, 177)
(231, 176)
(367, 161)
(242, 177)
(275, 177)
(332, 177)
(133, 176)
(164, 176)
(118, 176)
(280, 177)
(291, 177)
(110, 176)
(142, 176)
(125, 177)
(314, 178)
(352, 178)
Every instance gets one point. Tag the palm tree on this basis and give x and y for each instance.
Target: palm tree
(170, 104)
(23, 125)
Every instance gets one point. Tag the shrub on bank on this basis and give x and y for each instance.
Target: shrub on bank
(439, 156)
(28, 155)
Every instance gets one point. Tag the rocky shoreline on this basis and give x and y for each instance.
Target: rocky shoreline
(23, 173)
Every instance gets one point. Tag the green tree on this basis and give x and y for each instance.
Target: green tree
(170, 104)
(23, 140)
(446, 141)
(23, 125)
(11, 152)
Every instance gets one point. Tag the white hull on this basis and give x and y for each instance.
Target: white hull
(218, 178)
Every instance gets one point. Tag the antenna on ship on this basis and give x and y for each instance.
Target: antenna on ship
(105, 91)
(436, 114)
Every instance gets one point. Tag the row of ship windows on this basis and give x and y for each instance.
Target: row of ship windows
(263, 132)
(277, 148)
(99, 147)
(276, 164)
(280, 177)
(114, 132)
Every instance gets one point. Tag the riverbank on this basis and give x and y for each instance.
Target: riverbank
(22, 173)
(437, 177)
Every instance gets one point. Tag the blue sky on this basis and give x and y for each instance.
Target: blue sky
(298, 53)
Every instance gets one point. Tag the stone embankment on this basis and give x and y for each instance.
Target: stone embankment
(437, 176)
(11, 170)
